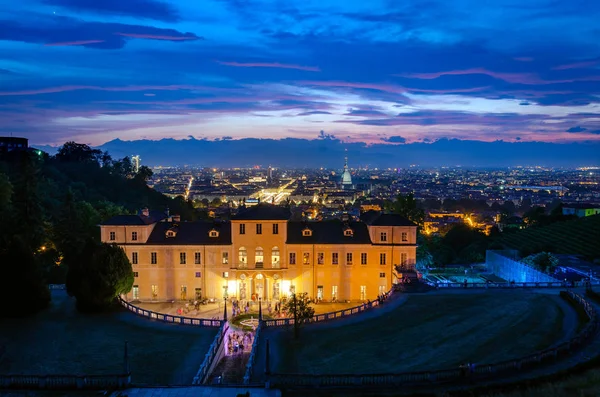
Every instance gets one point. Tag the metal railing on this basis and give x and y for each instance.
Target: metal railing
(118, 381)
(203, 371)
(168, 318)
(481, 371)
(508, 285)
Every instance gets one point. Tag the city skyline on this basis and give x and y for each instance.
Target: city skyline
(379, 73)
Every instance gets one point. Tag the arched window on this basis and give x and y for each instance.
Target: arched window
(243, 257)
(259, 256)
(275, 257)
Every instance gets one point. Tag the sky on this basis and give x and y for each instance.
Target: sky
(377, 71)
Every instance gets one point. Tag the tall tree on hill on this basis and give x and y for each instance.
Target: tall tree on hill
(100, 274)
(78, 153)
(298, 307)
(407, 207)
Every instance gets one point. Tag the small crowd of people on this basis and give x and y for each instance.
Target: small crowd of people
(237, 307)
(239, 342)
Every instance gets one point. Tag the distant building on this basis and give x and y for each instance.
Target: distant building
(346, 177)
(263, 253)
(136, 162)
(581, 210)
(9, 144)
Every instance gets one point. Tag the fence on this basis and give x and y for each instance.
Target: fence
(62, 382)
(325, 316)
(252, 358)
(507, 285)
(505, 264)
(209, 358)
(57, 286)
(479, 372)
(167, 318)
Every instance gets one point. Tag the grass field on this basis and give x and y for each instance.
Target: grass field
(429, 332)
(61, 340)
(578, 236)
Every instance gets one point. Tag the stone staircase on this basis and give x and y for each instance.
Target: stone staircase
(230, 370)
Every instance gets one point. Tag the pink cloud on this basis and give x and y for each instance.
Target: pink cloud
(450, 90)
(157, 37)
(51, 90)
(270, 65)
(517, 78)
(73, 43)
(368, 86)
(577, 65)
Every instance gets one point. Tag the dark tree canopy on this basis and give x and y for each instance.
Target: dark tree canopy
(101, 273)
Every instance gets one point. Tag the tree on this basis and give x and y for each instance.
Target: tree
(144, 173)
(22, 287)
(298, 307)
(407, 207)
(78, 153)
(100, 274)
(543, 261)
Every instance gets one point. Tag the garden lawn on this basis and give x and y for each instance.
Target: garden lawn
(61, 340)
(428, 332)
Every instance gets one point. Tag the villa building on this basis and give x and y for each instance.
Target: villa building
(261, 253)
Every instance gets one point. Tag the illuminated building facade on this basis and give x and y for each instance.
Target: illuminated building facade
(261, 253)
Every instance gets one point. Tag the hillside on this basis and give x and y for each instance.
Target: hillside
(579, 236)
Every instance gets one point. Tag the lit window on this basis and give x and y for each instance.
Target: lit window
(334, 258)
(292, 258)
(306, 258)
(225, 258)
(243, 256)
(154, 291)
(197, 258)
(213, 233)
(349, 258)
(320, 258)
(112, 236)
(136, 274)
(348, 232)
(225, 274)
(307, 232)
(136, 292)
(133, 236)
(275, 257)
(134, 258)
(259, 256)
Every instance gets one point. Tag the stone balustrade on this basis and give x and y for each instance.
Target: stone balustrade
(167, 318)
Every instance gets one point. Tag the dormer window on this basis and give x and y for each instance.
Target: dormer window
(171, 233)
(307, 232)
(213, 233)
(348, 232)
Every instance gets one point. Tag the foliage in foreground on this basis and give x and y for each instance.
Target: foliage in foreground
(298, 307)
(102, 273)
(543, 261)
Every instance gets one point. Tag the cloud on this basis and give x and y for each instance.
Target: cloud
(313, 112)
(151, 9)
(226, 138)
(365, 113)
(51, 90)
(518, 138)
(394, 139)
(74, 43)
(577, 65)
(270, 65)
(576, 129)
(186, 36)
(98, 35)
(365, 86)
(516, 78)
(524, 103)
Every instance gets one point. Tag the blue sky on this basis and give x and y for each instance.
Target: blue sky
(377, 71)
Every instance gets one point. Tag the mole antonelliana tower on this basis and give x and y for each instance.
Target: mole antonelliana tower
(346, 177)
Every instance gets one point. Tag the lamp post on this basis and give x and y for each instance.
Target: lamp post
(225, 303)
(259, 309)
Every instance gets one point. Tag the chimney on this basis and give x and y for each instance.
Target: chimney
(145, 212)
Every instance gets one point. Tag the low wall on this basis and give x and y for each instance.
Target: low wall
(252, 359)
(505, 265)
(167, 318)
(211, 359)
(280, 322)
(64, 382)
(425, 378)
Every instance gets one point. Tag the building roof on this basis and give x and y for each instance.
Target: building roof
(135, 220)
(375, 218)
(191, 233)
(263, 212)
(582, 206)
(327, 232)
